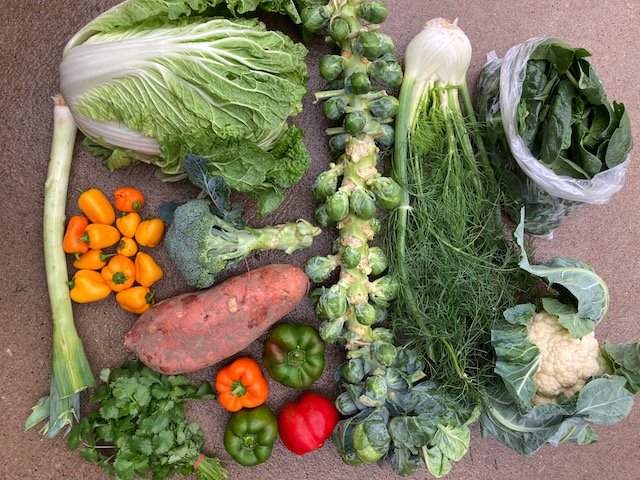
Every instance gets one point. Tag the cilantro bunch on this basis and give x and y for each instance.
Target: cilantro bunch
(140, 427)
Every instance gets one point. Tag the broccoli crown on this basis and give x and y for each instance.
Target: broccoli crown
(201, 245)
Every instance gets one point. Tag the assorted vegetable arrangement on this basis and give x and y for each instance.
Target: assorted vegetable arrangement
(204, 94)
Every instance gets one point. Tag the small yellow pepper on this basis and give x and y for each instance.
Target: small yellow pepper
(92, 260)
(96, 206)
(88, 286)
(148, 271)
(150, 232)
(120, 273)
(128, 224)
(100, 236)
(136, 299)
(127, 247)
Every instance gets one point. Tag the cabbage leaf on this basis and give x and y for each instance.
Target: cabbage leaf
(155, 81)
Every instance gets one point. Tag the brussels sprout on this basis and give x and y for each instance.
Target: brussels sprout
(374, 12)
(362, 204)
(383, 334)
(336, 245)
(386, 44)
(331, 330)
(338, 143)
(336, 84)
(365, 313)
(375, 391)
(384, 352)
(409, 361)
(334, 108)
(314, 19)
(369, 45)
(384, 290)
(345, 405)
(385, 107)
(355, 122)
(376, 226)
(377, 261)
(350, 257)
(360, 83)
(322, 217)
(325, 184)
(315, 295)
(318, 269)
(370, 438)
(395, 380)
(332, 303)
(386, 72)
(388, 193)
(337, 205)
(353, 371)
(339, 29)
(381, 314)
(331, 67)
(387, 138)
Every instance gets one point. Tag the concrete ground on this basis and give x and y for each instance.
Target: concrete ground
(32, 35)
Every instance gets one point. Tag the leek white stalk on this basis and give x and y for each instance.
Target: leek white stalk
(71, 371)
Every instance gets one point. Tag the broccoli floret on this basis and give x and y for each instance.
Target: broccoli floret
(202, 245)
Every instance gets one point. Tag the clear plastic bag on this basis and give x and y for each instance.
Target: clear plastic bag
(547, 196)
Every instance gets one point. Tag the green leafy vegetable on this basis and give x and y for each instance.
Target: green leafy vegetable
(199, 85)
(565, 123)
(140, 427)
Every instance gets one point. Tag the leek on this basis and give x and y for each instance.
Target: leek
(71, 371)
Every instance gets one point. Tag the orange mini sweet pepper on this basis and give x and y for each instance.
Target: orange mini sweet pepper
(120, 273)
(96, 207)
(92, 260)
(150, 232)
(88, 286)
(128, 199)
(148, 271)
(127, 247)
(241, 385)
(99, 236)
(72, 242)
(128, 224)
(136, 299)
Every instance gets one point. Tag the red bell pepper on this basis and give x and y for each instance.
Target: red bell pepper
(304, 426)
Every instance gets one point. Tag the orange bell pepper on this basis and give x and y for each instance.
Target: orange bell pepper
(88, 286)
(99, 236)
(148, 271)
(128, 224)
(120, 273)
(96, 207)
(128, 199)
(92, 260)
(72, 242)
(150, 232)
(241, 385)
(127, 247)
(136, 299)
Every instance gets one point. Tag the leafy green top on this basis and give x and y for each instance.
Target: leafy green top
(141, 426)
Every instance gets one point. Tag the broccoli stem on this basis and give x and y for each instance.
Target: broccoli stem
(290, 237)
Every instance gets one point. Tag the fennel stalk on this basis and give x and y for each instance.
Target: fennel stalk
(445, 241)
(71, 370)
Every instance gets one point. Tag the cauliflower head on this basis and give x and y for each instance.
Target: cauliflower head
(566, 363)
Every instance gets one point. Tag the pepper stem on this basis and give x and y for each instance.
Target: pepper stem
(238, 389)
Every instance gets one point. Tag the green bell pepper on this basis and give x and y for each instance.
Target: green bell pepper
(294, 355)
(250, 435)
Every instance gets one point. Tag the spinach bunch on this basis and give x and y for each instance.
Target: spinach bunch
(140, 427)
(561, 119)
(564, 116)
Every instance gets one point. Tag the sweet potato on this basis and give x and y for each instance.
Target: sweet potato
(196, 330)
